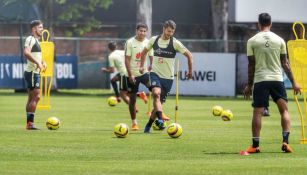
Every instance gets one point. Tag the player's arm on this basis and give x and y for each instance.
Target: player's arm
(150, 63)
(28, 55)
(251, 72)
(143, 58)
(189, 56)
(128, 53)
(286, 66)
(108, 69)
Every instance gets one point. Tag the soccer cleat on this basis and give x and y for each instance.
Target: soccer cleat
(286, 148)
(147, 129)
(31, 126)
(118, 99)
(134, 127)
(164, 117)
(143, 96)
(160, 124)
(266, 113)
(251, 149)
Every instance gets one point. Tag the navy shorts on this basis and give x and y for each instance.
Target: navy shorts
(164, 84)
(32, 80)
(134, 88)
(123, 83)
(263, 90)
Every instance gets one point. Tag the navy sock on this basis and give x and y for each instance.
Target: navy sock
(30, 117)
(149, 123)
(285, 136)
(255, 142)
(115, 88)
(159, 115)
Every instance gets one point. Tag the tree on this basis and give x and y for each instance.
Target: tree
(144, 13)
(220, 22)
(77, 14)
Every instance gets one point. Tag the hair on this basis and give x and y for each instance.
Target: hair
(35, 23)
(169, 23)
(264, 19)
(112, 45)
(141, 25)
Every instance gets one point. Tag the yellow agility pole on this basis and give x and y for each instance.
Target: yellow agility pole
(177, 90)
(46, 77)
(297, 50)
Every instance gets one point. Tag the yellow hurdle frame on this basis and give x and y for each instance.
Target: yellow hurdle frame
(46, 77)
(297, 50)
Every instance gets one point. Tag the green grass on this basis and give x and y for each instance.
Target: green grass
(85, 143)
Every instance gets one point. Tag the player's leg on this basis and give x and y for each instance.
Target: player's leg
(260, 100)
(132, 89)
(115, 87)
(32, 81)
(279, 96)
(123, 89)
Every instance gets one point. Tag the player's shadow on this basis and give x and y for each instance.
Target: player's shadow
(219, 153)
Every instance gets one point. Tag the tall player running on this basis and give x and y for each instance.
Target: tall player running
(165, 47)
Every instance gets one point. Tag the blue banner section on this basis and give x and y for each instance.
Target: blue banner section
(12, 72)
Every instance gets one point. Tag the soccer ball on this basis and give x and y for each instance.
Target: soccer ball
(174, 130)
(53, 123)
(112, 101)
(217, 110)
(155, 127)
(121, 130)
(227, 115)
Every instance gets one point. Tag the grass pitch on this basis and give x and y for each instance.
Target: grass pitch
(85, 143)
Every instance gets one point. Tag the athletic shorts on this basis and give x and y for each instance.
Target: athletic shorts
(32, 79)
(164, 84)
(263, 90)
(134, 88)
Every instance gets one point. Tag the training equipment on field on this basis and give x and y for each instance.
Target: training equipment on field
(53, 123)
(177, 90)
(174, 130)
(112, 101)
(227, 115)
(121, 130)
(217, 110)
(156, 127)
(47, 76)
(297, 50)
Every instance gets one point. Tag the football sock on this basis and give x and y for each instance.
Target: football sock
(159, 115)
(115, 88)
(285, 136)
(149, 123)
(134, 121)
(30, 117)
(255, 142)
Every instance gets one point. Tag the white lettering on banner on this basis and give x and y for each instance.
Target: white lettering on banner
(7, 69)
(64, 71)
(17, 70)
(1, 71)
(214, 74)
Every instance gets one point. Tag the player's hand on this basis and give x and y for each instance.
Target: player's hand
(132, 79)
(149, 68)
(296, 88)
(141, 69)
(247, 92)
(103, 69)
(188, 75)
(40, 67)
(44, 64)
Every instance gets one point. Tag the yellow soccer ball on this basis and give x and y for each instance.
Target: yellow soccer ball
(53, 123)
(174, 130)
(155, 127)
(112, 101)
(217, 110)
(227, 115)
(121, 130)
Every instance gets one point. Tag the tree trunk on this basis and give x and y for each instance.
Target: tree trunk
(144, 13)
(220, 23)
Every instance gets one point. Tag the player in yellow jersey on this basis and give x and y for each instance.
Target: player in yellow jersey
(165, 47)
(35, 65)
(117, 61)
(267, 59)
(133, 48)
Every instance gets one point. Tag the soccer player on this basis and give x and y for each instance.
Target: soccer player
(133, 48)
(35, 65)
(267, 58)
(117, 60)
(165, 47)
